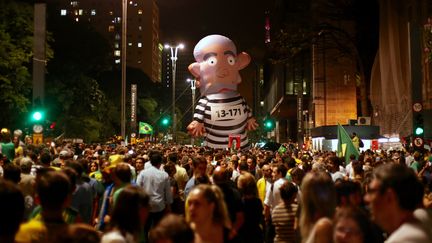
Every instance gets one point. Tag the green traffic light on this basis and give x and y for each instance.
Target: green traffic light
(419, 131)
(37, 116)
(269, 124)
(165, 121)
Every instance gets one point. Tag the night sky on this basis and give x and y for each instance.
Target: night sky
(190, 20)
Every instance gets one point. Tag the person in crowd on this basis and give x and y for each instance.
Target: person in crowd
(318, 204)
(7, 148)
(129, 216)
(94, 170)
(199, 166)
(12, 205)
(172, 228)
(207, 214)
(83, 195)
(12, 172)
(393, 195)
(177, 206)
(265, 182)
(180, 175)
(273, 198)
(232, 200)
(352, 225)
(355, 140)
(53, 190)
(348, 193)
(284, 215)
(157, 184)
(27, 184)
(139, 164)
(252, 228)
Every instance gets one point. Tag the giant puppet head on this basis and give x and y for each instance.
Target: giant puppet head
(217, 64)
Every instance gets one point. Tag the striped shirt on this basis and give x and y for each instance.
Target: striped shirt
(283, 219)
(223, 114)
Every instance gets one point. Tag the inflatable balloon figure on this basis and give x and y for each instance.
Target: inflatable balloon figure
(222, 113)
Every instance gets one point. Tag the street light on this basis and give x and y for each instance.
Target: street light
(174, 50)
(193, 88)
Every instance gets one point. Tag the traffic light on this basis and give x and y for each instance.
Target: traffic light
(418, 125)
(269, 124)
(37, 116)
(165, 121)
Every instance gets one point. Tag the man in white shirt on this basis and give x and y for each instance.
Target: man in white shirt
(156, 184)
(393, 195)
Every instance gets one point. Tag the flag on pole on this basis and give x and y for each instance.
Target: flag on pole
(145, 128)
(282, 150)
(345, 145)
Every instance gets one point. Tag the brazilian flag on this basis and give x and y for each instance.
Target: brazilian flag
(145, 128)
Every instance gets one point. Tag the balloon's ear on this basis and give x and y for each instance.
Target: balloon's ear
(243, 59)
(194, 68)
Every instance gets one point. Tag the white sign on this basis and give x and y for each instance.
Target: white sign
(223, 112)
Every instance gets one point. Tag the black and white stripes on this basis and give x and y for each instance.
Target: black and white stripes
(223, 114)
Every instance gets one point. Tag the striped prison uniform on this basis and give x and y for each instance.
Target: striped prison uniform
(223, 114)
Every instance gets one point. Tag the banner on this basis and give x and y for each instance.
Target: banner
(145, 128)
(345, 145)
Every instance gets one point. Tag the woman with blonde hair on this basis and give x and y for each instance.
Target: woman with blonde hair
(207, 214)
(318, 206)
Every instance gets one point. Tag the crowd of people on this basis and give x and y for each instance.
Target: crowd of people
(64, 192)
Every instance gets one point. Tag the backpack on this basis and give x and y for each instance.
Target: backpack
(361, 144)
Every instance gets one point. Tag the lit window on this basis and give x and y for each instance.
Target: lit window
(117, 53)
(63, 12)
(117, 20)
(140, 11)
(74, 3)
(80, 12)
(111, 28)
(116, 45)
(140, 27)
(76, 12)
(139, 61)
(130, 2)
(117, 37)
(93, 12)
(130, 44)
(76, 19)
(111, 13)
(139, 44)
(117, 61)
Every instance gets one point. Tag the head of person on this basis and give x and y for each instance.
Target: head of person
(352, 225)
(247, 185)
(220, 175)
(394, 191)
(156, 158)
(173, 157)
(217, 64)
(131, 210)
(348, 193)
(288, 192)
(139, 163)
(12, 172)
(94, 166)
(170, 169)
(12, 203)
(172, 228)
(53, 189)
(279, 171)
(122, 173)
(318, 199)
(199, 165)
(206, 205)
(267, 171)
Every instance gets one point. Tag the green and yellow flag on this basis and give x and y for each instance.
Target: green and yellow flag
(345, 145)
(145, 128)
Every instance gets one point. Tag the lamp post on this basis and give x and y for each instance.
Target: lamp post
(174, 50)
(193, 88)
(123, 69)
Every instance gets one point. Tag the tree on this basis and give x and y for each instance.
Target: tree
(16, 43)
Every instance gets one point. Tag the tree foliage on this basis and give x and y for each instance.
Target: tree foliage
(16, 32)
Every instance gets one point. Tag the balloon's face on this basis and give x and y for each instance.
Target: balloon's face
(219, 66)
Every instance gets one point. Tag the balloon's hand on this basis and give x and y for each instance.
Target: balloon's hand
(251, 124)
(196, 129)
